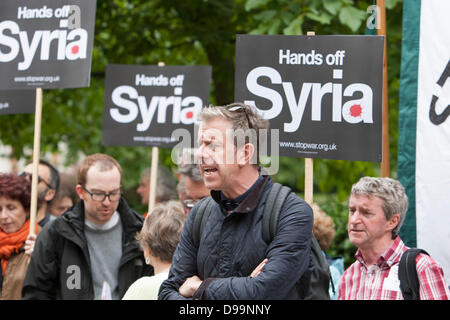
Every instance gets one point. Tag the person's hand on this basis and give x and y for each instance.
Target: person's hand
(189, 287)
(29, 244)
(258, 269)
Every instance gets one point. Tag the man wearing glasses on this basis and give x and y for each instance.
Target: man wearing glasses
(48, 184)
(90, 252)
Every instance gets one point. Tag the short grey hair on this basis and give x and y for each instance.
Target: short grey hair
(242, 117)
(391, 191)
(166, 184)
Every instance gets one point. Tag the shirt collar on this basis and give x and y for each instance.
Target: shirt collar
(390, 257)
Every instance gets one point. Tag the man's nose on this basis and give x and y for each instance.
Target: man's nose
(106, 202)
(199, 153)
(355, 217)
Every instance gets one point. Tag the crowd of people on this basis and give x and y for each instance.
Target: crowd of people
(203, 239)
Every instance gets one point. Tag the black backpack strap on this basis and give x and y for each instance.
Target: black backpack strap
(201, 217)
(321, 276)
(272, 209)
(407, 274)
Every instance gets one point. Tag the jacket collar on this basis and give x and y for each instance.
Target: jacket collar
(250, 202)
(71, 226)
(131, 221)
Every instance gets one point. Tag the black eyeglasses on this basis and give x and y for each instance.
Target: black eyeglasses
(101, 196)
(29, 176)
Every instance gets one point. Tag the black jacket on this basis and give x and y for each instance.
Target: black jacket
(231, 246)
(60, 264)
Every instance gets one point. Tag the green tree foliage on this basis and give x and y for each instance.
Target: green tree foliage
(200, 32)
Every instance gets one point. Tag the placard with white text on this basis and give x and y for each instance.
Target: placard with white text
(323, 93)
(46, 44)
(144, 105)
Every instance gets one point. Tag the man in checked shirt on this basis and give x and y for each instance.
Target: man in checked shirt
(377, 209)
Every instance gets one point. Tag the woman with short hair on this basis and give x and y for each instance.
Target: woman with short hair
(158, 238)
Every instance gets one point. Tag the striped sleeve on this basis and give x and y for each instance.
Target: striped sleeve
(431, 279)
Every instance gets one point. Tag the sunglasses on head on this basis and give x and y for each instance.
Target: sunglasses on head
(242, 109)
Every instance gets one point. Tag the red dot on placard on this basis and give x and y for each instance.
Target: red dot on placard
(75, 49)
(355, 110)
(189, 114)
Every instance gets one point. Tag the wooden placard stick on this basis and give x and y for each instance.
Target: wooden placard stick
(36, 153)
(154, 170)
(309, 166)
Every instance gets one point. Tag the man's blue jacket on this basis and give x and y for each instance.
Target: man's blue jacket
(231, 247)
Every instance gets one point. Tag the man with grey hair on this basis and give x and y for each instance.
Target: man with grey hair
(231, 260)
(377, 209)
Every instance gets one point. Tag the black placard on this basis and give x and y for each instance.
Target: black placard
(323, 93)
(145, 104)
(46, 44)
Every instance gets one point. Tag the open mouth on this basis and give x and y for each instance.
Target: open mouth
(209, 171)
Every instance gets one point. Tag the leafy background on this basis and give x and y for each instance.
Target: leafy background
(202, 32)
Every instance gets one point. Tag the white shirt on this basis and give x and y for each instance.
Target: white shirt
(146, 288)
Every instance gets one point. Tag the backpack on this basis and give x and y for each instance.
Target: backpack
(320, 275)
(407, 274)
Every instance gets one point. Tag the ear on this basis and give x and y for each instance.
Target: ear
(49, 195)
(394, 221)
(147, 254)
(245, 154)
(80, 191)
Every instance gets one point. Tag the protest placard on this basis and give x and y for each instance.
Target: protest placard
(46, 44)
(323, 93)
(145, 104)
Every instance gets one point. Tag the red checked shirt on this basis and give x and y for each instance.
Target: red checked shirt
(380, 281)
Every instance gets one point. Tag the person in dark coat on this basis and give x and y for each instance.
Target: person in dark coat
(232, 261)
(90, 252)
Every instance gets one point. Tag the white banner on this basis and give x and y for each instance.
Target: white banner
(433, 133)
